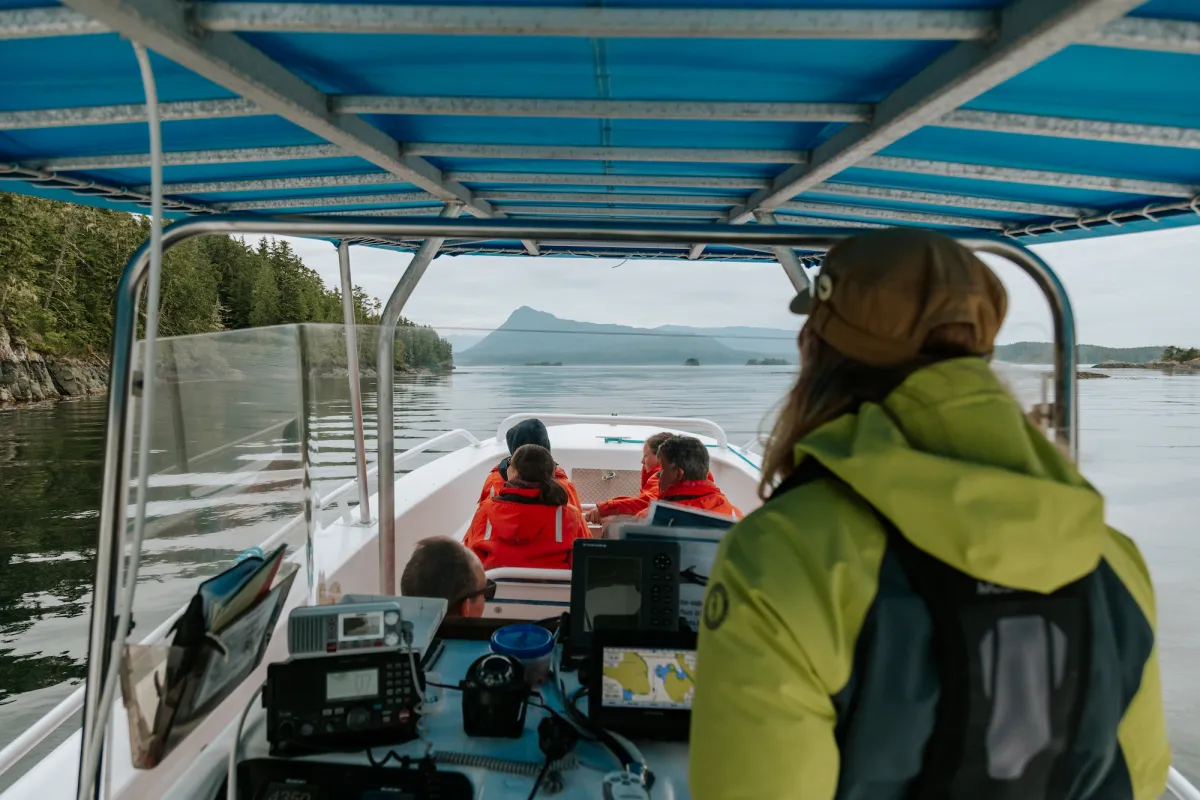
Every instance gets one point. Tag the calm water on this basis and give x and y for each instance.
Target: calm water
(1140, 446)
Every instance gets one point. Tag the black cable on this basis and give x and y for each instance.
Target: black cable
(541, 777)
(604, 737)
(690, 575)
(443, 686)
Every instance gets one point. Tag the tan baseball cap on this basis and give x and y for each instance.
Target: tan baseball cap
(880, 294)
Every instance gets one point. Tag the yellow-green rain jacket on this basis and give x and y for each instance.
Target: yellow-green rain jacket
(799, 640)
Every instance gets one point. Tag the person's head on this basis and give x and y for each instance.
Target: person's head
(650, 450)
(442, 567)
(533, 464)
(887, 304)
(683, 458)
(529, 431)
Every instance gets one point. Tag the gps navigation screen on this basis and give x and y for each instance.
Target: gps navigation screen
(648, 678)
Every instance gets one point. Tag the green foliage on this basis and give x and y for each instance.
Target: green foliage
(1043, 353)
(1180, 354)
(60, 264)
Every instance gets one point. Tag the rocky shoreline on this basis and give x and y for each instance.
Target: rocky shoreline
(27, 376)
(1167, 366)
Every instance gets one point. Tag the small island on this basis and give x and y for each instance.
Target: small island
(692, 362)
(767, 362)
(1183, 359)
(543, 363)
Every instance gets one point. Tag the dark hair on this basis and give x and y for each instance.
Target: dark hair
(528, 431)
(655, 440)
(536, 466)
(440, 567)
(688, 454)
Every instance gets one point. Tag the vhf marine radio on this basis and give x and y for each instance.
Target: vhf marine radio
(345, 701)
(352, 680)
(346, 627)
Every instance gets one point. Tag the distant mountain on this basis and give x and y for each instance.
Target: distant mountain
(531, 336)
(771, 342)
(1043, 353)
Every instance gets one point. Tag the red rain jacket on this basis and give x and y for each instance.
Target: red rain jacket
(635, 505)
(515, 529)
(495, 482)
(703, 495)
(632, 505)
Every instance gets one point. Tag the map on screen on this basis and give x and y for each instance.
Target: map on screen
(648, 678)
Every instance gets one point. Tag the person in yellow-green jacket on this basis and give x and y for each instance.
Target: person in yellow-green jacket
(929, 604)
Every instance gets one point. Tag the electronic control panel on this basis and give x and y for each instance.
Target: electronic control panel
(623, 585)
(273, 779)
(345, 627)
(344, 701)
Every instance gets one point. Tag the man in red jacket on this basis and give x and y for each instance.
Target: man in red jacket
(618, 506)
(684, 479)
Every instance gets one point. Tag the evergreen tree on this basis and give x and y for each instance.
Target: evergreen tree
(60, 264)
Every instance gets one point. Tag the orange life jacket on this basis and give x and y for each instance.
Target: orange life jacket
(515, 529)
(635, 505)
(632, 505)
(494, 482)
(703, 495)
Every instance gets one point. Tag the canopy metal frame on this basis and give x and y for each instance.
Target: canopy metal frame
(778, 238)
(216, 41)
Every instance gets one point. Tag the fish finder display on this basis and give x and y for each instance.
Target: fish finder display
(614, 596)
(643, 678)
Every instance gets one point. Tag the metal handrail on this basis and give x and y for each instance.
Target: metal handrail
(112, 507)
(716, 430)
(1180, 786)
(528, 574)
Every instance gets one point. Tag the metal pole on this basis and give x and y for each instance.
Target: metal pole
(360, 445)
(787, 258)
(386, 436)
(1066, 361)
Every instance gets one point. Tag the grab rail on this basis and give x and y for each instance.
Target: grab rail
(528, 574)
(692, 423)
(1180, 786)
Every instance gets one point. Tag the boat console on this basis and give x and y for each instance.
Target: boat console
(594, 703)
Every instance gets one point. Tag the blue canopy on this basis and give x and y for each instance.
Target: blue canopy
(1040, 119)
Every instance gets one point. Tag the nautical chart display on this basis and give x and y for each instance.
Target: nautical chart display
(648, 678)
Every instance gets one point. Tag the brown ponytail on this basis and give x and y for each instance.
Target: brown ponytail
(536, 466)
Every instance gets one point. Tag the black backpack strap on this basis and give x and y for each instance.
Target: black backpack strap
(1011, 667)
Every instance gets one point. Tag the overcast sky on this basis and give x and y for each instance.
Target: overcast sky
(1128, 291)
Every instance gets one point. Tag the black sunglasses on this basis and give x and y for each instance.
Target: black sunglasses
(488, 591)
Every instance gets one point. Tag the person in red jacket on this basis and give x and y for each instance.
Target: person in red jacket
(628, 506)
(684, 479)
(529, 523)
(530, 431)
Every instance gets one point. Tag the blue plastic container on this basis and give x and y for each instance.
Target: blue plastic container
(532, 645)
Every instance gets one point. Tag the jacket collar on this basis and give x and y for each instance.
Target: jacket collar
(690, 489)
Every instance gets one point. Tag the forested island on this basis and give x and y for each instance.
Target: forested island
(59, 267)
